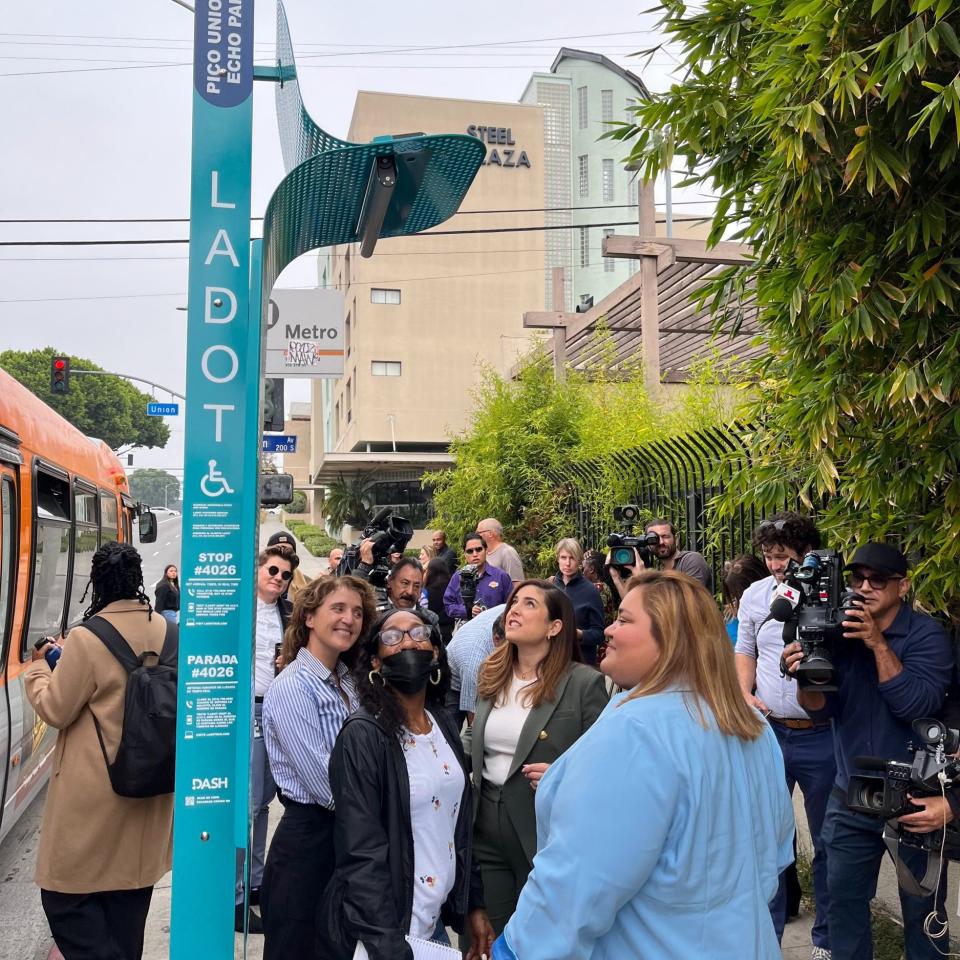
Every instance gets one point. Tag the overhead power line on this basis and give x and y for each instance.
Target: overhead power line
(432, 233)
(459, 213)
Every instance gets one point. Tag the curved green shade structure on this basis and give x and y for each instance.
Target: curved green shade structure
(330, 196)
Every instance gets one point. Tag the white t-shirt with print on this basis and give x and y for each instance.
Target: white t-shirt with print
(436, 791)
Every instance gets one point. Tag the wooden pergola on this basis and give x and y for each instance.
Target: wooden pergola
(652, 315)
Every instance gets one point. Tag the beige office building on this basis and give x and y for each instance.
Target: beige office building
(425, 315)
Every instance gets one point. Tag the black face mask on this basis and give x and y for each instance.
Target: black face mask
(408, 670)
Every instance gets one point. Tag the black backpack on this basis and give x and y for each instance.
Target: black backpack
(144, 764)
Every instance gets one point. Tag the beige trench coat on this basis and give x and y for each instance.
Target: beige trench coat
(91, 839)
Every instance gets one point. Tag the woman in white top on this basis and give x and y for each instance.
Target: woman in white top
(404, 819)
(536, 697)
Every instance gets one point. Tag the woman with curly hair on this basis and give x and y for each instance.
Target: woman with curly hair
(303, 711)
(404, 819)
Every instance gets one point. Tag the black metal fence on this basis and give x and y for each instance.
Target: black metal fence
(672, 479)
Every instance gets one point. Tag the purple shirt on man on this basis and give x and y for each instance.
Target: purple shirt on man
(493, 587)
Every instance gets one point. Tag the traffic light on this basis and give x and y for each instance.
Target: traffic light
(273, 405)
(59, 375)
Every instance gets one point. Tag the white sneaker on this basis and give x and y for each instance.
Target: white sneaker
(820, 953)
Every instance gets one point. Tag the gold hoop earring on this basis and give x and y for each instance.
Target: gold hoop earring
(436, 682)
(371, 675)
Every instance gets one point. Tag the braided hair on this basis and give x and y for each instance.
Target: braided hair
(115, 574)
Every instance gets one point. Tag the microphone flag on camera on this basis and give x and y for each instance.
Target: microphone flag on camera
(785, 600)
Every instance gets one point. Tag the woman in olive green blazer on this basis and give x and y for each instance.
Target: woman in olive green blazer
(536, 698)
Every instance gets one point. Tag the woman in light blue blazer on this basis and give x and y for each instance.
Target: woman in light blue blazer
(643, 850)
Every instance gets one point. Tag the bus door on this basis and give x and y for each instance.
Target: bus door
(9, 517)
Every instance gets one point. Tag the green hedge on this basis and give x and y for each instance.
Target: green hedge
(314, 538)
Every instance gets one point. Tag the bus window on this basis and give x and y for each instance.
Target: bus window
(51, 560)
(85, 545)
(7, 558)
(108, 516)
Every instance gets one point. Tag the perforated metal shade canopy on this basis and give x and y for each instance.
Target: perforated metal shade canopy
(319, 202)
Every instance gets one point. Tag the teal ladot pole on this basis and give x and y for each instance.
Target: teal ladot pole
(219, 493)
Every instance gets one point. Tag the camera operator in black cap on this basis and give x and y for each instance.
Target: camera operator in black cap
(894, 665)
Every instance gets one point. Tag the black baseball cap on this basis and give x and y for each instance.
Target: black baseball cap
(880, 557)
(282, 539)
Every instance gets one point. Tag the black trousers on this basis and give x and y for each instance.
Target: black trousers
(98, 926)
(298, 869)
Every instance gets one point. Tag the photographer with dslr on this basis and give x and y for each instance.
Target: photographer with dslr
(488, 585)
(807, 746)
(894, 666)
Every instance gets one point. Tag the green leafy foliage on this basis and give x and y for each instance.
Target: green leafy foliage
(525, 432)
(104, 407)
(154, 487)
(348, 500)
(831, 132)
(314, 538)
(298, 504)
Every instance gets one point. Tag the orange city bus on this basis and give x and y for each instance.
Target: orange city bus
(61, 495)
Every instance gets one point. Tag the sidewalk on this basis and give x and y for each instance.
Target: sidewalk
(310, 565)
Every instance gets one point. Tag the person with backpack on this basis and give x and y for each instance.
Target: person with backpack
(101, 852)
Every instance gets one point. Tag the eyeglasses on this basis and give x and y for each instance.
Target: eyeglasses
(474, 549)
(393, 636)
(276, 571)
(877, 581)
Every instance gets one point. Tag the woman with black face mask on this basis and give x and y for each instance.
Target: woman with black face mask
(402, 836)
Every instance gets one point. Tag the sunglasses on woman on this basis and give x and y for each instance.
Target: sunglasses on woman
(276, 571)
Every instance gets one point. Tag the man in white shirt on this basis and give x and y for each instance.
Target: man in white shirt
(500, 554)
(275, 567)
(808, 754)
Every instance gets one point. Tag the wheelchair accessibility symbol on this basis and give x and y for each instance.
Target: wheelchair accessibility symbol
(214, 483)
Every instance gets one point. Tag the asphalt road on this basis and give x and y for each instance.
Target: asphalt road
(164, 551)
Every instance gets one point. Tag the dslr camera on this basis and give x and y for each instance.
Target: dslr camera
(933, 770)
(811, 603)
(390, 533)
(623, 543)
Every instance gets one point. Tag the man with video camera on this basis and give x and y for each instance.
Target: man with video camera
(894, 665)
(807, 745)
(404, 584)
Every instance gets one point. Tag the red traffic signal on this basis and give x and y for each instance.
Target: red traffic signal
(59, 375)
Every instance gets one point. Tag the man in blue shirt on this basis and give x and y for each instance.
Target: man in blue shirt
(493, 584)
(894, 667)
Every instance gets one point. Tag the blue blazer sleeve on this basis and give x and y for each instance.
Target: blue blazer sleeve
(590, 619)
(572, 896)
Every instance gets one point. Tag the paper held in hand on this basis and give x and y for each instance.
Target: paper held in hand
(422, 950)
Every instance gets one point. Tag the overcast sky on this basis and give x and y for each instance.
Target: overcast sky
(96, 124)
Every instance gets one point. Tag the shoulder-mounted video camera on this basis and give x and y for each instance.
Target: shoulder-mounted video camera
(882, 793)
(623, 543)
(811, 603)
(390, 533)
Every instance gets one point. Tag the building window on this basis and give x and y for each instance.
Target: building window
(609, 264)
(347, 403)
(606, 171)
(606, 106)
(584, 176)
(385, 368)
(380, 295)
(582, 107)
(632, 196)
(346, 334)
(584, 246)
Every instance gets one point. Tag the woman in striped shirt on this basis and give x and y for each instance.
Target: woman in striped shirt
(302, 715)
